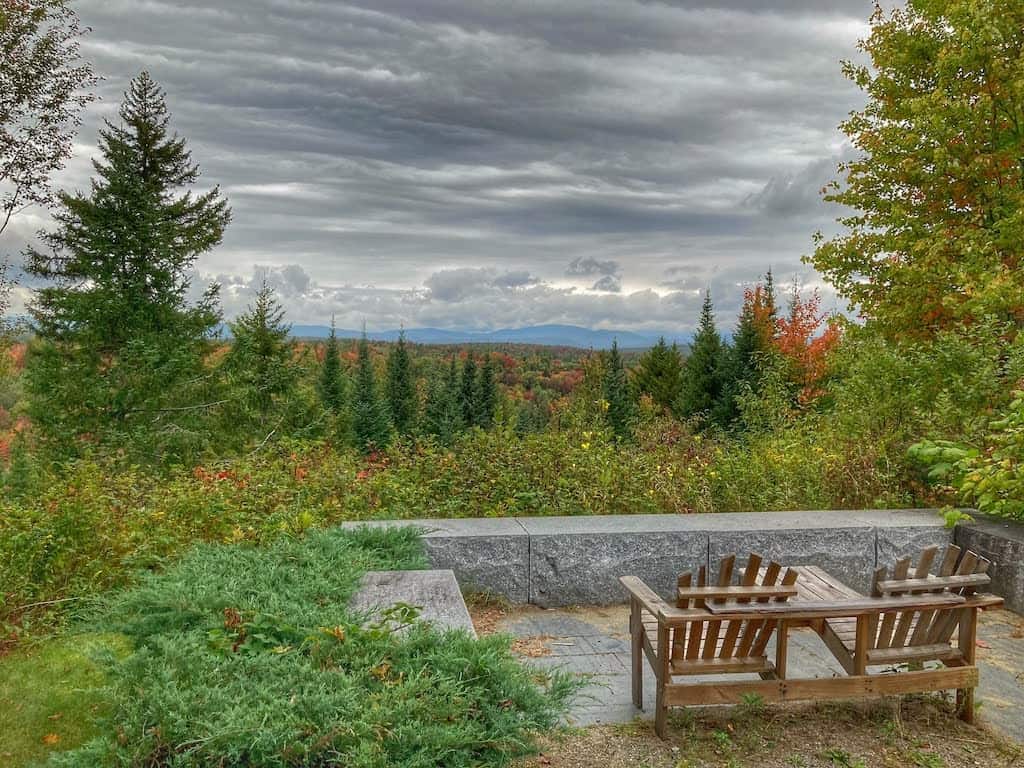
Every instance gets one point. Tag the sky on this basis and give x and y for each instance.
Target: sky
(480, 164)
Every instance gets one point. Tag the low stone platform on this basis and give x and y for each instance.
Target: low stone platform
(435, 593)
(594, 641)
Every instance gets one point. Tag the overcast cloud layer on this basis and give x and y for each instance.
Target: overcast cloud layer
(491, 163)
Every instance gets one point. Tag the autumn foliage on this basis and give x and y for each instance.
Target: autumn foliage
(804, 338)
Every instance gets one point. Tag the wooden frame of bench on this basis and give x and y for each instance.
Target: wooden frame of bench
(948, 606)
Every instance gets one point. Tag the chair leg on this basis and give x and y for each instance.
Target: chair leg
(781, 648)
(662, 672)
(968, 643)
(636, 631)
(965, 704)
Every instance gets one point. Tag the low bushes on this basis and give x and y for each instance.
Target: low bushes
(65, 535)
(247, 656)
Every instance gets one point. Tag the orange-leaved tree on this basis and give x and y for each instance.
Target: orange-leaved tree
(804, 338)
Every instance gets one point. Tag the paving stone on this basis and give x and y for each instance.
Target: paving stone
(435, 593)
(607, 697)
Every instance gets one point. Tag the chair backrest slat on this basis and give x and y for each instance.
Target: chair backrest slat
(872, 620)
(906, 620)
(714, 626)
(696, 627)
(885, 631)
(945, 623)
(771, 575)
(679, 634)
(732, 631)
(766, 631)
(924, 619)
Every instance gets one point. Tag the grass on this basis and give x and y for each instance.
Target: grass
(240, 655)
(51, 696)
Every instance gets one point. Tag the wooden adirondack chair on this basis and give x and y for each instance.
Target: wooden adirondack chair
(917, 635)
(687, 639)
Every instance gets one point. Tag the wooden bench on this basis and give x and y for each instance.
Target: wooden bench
(725, 629)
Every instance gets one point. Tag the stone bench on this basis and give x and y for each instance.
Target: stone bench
(435, 593)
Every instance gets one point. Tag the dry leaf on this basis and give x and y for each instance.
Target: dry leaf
(51, 739)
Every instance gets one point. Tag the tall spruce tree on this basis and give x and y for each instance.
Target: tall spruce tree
(370, 426)
(119, 347)
(486, 395)
(260, 359)
(621, 411)
(331, 381)
(443, 417)
(659, 374)
(702, 382)
(401, 388)
(739, 370)
(468, 391)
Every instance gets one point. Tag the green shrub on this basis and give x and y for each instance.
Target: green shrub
(247, 656)
(990, 478)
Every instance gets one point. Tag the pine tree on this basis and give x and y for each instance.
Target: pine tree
(401, 389)
(486, 395)
(621, 410)
(119, 342)
(331, 382)
(260, 359)
(739, 370)
(702, 385)
(659, 373)
(443, 417)
(468, 391)
(370, 426)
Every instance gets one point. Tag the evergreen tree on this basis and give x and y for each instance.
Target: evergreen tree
(486, 395)
(702, 384)
(370, 425)
(739, 370)
(468, 391)
(401, 389)
(443, 417)
(120, 348)
(659, 373)
(621, 410)
(260, 359)
(331, 382)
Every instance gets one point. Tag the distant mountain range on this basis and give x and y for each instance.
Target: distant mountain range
(547, 335)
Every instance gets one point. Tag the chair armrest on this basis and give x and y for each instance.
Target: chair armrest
(934, 582)
(666, 614)
(733, 592)
(836, 609)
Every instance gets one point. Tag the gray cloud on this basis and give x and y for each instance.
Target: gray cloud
(442, 161)
(585, 266)
(608, 283)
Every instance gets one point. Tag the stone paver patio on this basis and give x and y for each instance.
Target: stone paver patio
(595, 641)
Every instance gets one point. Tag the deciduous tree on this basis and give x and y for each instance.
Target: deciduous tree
(44, 84)
(936, 236)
